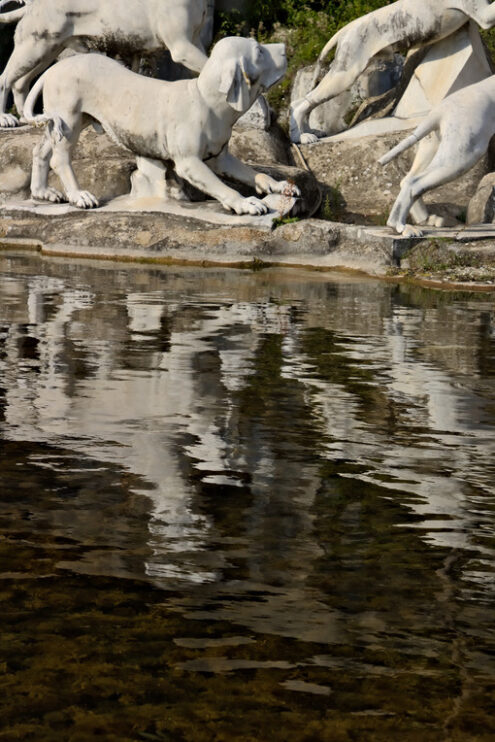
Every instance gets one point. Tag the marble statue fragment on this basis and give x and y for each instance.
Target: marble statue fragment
(454, 135)
(414, 23)
(187, 122)
(45, 27)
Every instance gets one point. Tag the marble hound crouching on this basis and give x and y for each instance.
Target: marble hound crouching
(187, 123)
(46, 27)
(412, 23)
(461, 126)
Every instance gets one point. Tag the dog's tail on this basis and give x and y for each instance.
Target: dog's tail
(12, 15)
(324, 54)
(54, 122)
(426, 127)
(329, 46)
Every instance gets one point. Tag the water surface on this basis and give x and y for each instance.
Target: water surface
(244, 506)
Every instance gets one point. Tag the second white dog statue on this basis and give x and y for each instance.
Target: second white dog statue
(188, 122)
(413, 23)
(461, 126)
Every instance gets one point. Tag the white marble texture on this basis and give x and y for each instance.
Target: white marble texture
(130, 26)
(188, 122)
(413, 23)
(453, 137)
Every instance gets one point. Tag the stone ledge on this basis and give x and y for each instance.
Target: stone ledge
(314, 243)
(160, 237)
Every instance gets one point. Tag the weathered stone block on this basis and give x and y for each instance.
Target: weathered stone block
(256, 145)
(481, 208)
(259, 116)
(105, 181)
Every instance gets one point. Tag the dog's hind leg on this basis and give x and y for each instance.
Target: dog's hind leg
(20, 88)
(7, 120)
(427, 149)
(178, 34)
(40, 189)
(184, 52)
(413, 188)
(335, 82)
(61, 163)
(25, 62)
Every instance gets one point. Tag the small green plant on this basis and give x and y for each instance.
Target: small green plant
(333, 206)
(285, 220)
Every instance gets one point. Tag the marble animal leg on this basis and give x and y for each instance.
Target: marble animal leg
(20, 88)
(61, 163)
(179, 37)
(26, 59)
(413, 188)
(196, 172)
(334, 83)
(228, 165)
(40, 189)
(7, 120)
(426, 151)
(184, 52)
(484, 17)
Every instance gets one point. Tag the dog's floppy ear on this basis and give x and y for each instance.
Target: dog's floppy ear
(235, 84)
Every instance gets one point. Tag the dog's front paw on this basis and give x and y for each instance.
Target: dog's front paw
(48, 194)
(250, 205)
(434, 220)
(308, 138)
(409, 230)
(8, 121)
(286, 188)
(83, 200)
(267, 184)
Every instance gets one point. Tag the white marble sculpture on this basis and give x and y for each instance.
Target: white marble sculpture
(411, 22)
(46, 27)
(188, 122)
(461, 126)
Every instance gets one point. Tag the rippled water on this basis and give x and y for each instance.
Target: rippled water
(244, 506)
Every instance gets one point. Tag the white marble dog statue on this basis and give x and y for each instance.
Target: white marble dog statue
(413, 23)
(462, 126)
(46, 27)
(187, 122)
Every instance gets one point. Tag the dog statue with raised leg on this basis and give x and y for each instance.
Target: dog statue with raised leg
(187, 122)
(46, 27)
(461, 126)
(412, 23)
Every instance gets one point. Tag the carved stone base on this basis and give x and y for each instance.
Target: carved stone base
(210, 212)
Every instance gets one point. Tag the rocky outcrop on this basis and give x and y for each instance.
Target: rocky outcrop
(101, 166)
(481, 208)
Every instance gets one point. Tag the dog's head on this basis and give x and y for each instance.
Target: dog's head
(247, 68)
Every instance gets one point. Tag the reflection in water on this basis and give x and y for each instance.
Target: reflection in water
(286, 478)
